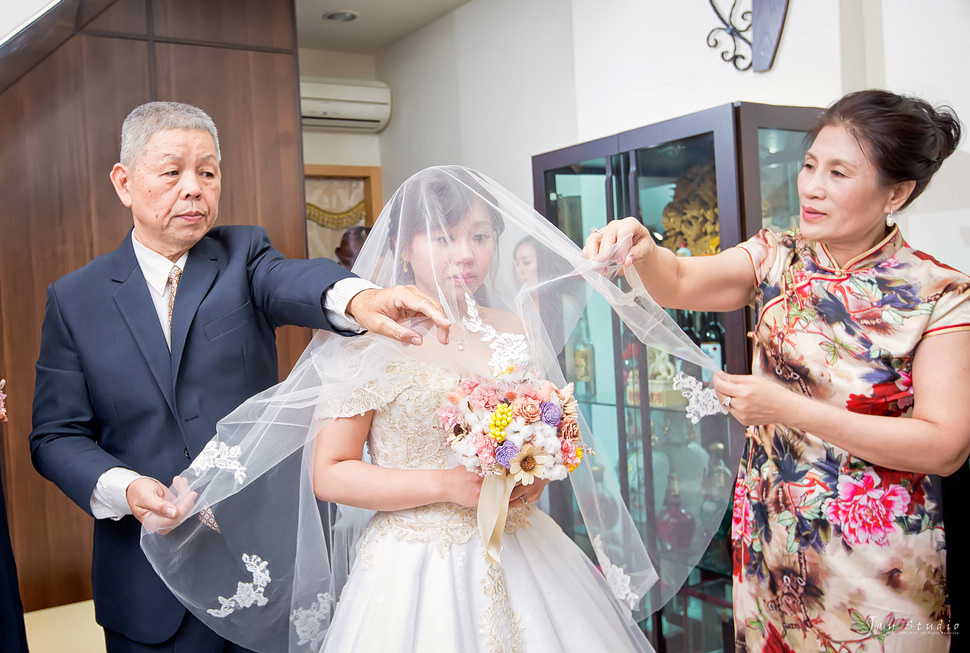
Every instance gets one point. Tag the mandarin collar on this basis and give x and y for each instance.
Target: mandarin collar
(878, 253)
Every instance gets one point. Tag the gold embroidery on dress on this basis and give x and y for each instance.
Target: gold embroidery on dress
(499, 623)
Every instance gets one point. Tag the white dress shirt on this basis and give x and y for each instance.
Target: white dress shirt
(109, 499)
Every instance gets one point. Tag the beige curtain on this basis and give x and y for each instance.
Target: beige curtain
(333, 204)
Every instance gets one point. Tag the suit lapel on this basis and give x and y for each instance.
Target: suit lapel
(138, 311)
(200, 271)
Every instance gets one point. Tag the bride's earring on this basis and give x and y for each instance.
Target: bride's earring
(406, 271)
(889, 220)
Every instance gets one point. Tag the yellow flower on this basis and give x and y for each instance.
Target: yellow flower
(498, 421)
(529, 464)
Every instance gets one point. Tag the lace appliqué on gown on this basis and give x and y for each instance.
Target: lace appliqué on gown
(308, 622)
(220, 456)
(701, 401)
(442, 524)
(508, 349)
(619, 581)
(247, 594)
(501, 629)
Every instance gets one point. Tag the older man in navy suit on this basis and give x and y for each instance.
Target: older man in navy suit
(144, 349)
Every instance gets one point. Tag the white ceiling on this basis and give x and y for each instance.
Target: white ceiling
(379, 23)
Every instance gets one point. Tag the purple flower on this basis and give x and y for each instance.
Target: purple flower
(505, 453)
(551, 413)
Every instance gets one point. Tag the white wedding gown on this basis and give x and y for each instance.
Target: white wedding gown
(421, 581)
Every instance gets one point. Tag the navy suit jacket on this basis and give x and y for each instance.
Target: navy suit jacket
(108, 392)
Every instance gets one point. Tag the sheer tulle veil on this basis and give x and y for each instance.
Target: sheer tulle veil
(262, 562)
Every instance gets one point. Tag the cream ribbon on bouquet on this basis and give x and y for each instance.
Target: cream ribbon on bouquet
(493, 510)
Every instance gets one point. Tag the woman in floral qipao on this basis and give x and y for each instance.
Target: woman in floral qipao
(858, 391)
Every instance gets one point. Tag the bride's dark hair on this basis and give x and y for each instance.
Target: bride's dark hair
(439, 197)
(443, 198)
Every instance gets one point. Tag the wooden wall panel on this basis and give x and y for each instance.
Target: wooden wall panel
(252, 97)
(252, 23)
(61, 126)
(122, 17)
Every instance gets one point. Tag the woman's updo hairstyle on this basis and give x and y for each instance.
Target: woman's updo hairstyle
(905, 138)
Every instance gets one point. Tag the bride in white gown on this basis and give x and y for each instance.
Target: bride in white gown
(356, 424)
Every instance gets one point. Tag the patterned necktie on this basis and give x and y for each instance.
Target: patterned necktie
(205, 515)
(173, 280)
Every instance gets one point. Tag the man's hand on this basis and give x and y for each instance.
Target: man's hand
(157, 508)
(381, 311)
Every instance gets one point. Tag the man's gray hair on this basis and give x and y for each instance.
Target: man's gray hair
(146, 120)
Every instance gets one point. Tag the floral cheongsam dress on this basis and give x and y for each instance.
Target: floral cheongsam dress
(832, 553)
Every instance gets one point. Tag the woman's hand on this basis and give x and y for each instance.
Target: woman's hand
(635, 242)
(461, 486)
(754, 400)
(523, 495)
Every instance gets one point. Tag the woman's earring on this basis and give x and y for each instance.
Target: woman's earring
(889, 220)
(406, 272)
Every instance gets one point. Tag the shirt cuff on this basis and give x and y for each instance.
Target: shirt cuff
(336, 298)
(108, 501)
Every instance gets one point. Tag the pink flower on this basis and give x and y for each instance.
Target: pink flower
(571, 457)
(742, 517)
(449, 416)
(467, 386)
(546, 391)
(526, 408)
(866, 511)
(485, 446)
(484, 397)
(527, 390)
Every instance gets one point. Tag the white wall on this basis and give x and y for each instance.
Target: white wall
(926, 54)
(322, 147)
(486, 86)
(640, 62)
(498, 81)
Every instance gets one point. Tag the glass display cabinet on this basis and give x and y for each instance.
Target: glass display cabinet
(700, 183)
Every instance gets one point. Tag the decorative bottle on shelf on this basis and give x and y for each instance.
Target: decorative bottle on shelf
(675, 526)
(712, 343)
(715, 515)
(583, 361)
(631, 369)
(685, 319)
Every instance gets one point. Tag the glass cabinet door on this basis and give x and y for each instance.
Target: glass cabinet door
(576, 192)
(771, 143)
(682, 184)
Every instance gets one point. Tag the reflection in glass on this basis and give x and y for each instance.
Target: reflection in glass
(781, 153)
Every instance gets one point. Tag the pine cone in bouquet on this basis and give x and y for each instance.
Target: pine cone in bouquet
(690, 219)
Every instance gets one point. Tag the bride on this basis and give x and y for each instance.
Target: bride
(356, 424)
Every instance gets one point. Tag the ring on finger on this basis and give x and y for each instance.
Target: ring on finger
(594, 230)
(525, 501)
(727, 402)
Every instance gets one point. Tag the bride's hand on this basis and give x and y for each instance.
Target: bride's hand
(461, 486)
(523, 495)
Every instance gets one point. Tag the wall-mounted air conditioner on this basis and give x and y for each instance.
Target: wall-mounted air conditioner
(347, 105)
